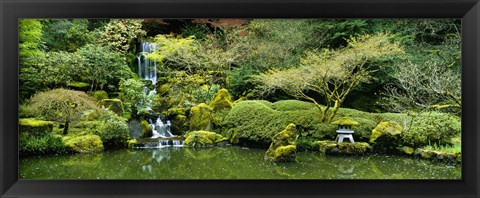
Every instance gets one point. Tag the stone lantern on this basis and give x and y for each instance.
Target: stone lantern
(345, 129)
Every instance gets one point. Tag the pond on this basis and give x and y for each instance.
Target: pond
(227, 163)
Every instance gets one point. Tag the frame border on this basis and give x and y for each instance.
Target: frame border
(12, 10)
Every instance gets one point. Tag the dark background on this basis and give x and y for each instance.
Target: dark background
(11, 11)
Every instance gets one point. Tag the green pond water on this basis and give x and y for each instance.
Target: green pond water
(227, 163)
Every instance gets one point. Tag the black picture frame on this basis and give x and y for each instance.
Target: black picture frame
(12, 10)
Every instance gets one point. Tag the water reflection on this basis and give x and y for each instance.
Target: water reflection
(228, 163)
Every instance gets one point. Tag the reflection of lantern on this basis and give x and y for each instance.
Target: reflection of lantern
(345, 129)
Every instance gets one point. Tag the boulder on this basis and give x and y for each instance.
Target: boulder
(221, 104)
(202, 138)
(331, 147)
(115, 105)
(178, 119)
(83, 144)
(34, 126)
(386, 136)
(146, 129)
(283, 147)
(201, 117)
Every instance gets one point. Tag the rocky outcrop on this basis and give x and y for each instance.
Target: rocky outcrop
(386, 137)
(283, 147)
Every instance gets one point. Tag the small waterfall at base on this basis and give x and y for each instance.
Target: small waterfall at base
(161, 130)
(166, 143)
(177, 143)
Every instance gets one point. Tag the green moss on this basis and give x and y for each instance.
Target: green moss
(100, 95)
(202, 138)
(201, 117)
(331, 147)
(177, 111)
(34, 126)
(292, 105)
(407, 150)
(40, 144)
(83, 144)
(345, 121)
(115, 105)
(386, 137)
(146, 129)
(221, 101)
(79, 86)
(132, 143)
(283, 146)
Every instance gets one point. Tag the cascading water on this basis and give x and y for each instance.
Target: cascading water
(147, 69)
(161, 130)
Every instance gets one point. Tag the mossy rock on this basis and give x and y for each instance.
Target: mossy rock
(406, 150)
(34, 126)
(283, 146)
(386, 137)
(178, 119)
(202, 138)
(146, 129)
(331, 147)
(115, 105)
(83, 144)
(131, 143)
(100, 95)
(201, 117)
(221, 100)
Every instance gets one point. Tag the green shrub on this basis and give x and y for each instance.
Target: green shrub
(52, 105)
(431, 127)
(111, 128)
(40, 144)
(34, 126)
(115, 105)
(292, 105)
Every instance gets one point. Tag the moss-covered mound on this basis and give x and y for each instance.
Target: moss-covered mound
(386, 137)
(202, 138)
(283, 147)
(221, 101)
(34, 126)
(115, 105)
(331, 147)
(178, 119)
(83, 144)
(201, 117)
(255, 122)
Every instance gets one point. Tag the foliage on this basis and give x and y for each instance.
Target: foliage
(45, 144)
(331, 73)
(101, 66)
(52, 105)
(66, 34)
(134, 94)
(179, 53)
(119, 33)
(431, 127)
(100, 95)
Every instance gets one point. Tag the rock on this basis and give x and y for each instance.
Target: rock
(115, 105)
(386, 136)
(146, 129)
(221, 104)
(83, 144)
(202, 138)
(406, 150)
(221, 101)
(178, 119)
(34, 126)
(201, 117)
(132, 143)
(283, 147)
(331, 147)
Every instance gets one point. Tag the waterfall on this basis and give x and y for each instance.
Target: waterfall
(147, 69)
(161, 130)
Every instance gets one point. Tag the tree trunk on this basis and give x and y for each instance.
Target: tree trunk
(65, 129)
